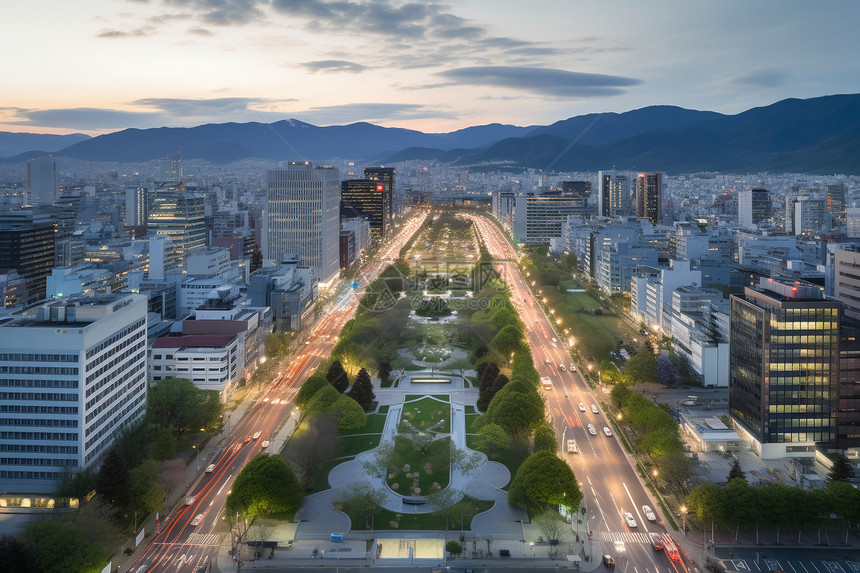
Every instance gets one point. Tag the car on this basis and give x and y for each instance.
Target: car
(656, 541)
(572, 367)
(257, 435)
(562, 367)
(608, 561)
(266, 399)
(581, 407)
(537, 321)
(246, 440)
(594, 409)
(191, 500)
(547, 361)
(571, 447)
(649, 513)
(607, 431)
(197, 519)
(629, 520)
(591, 430)
(265, 444)
(554, 339)
(210, 468)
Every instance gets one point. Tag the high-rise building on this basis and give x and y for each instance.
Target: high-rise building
(386, 176)
(366, 199)
(614, 196)
(784, 340)
(179, 216)
(576, 188)
(836, 202)
(72, 375)
(43, 182)
(846, 280)
(304, 217)
(649, 196)
(27, 245)
(753, 207)
(136, 206)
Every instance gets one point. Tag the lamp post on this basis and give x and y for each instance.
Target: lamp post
(684, 518)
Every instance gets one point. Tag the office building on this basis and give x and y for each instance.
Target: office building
(27, 245)
(136, 206)
(649, 196)
(614, 195)
(180, 216)
(836, 203)
(43, 181)
(366, 199)
(304, 217)
(784, 340)
(576, 188)
(539, 218)
(846, 280)
(753, 207)
(72, 375)
(385, 175)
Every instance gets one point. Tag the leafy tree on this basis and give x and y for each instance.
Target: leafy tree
(76, 484)
(667, 374)
(542, 481)
(163, 444)
(620, 393)
(642, 367)
(552, 524)
(508, 340)
(362, 389)
(323, 399)
(524, 367)
(348, 413)
(454, 548)
(490, 389)
(544, 438)
(312, 444)
(505, 316)
(493, 440)
(383, 370)
(178, 404)
(736, 472)
(16, 556)
(337, 376)
(266, 485)
(678, 470)
(462, 459)
(480, 351)
(145, 494)
(274, 345)
(841, 470)
(59, 547)
(312, 385)
(487, 372)
(112, 481)
(517, 408)
(364, 501)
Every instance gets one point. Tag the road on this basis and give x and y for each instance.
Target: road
(180, 544)
(609, 482)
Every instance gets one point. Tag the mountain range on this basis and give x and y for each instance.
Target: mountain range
(817, 135)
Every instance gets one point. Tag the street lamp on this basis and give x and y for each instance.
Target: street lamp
(619, 416)
(684, 518)
(655, 473)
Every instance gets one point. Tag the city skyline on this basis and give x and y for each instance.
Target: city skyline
(427, 66)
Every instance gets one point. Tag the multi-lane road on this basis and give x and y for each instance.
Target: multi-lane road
(193, 533)
(609, 482)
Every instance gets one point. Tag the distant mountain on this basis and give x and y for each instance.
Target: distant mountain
(818, 135)
(12, 144)
(288, 139)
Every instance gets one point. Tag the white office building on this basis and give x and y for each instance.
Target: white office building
(72, 375)
(303, 216)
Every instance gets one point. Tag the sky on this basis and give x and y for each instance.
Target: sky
(98, 66)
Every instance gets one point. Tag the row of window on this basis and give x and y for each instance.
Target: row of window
(30, 475)
(137, 381)
(6, 409)
(30, 448)
(41, 383)
(118, 358)
(44, 370)
(56, 397)
(56, 436)
(104, 428)
(53, 423)
(18, 357)
(111, 382)
(110, 341)
(55, 462)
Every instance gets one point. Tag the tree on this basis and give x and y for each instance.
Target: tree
(363, 502)
(76, 484)
(642, 367)
(274, 345)
(678, 471)
(841, 470)
(312, 385)
(381, 461)
(620, 393)
(667, 374)
(508, 340)
(348, 413)
(145, 494)
(552, 524)
(312, 444)
(112, 481)
(323, 399)
(176, 403)
(517, 408)
(337, 376)
(362, 389)
(59, 547)
(493, 440)
(16, 556)
(266, 485)
(454, 548)
(490, 389)
(542, 481)
(465, 461)
(383, 370)
(544, 438)
(736, 472)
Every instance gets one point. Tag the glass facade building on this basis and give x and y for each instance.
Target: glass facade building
(784, 365)
(179, 216)
(365, 199)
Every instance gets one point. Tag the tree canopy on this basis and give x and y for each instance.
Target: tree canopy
(337, 376)
(542, 481)
(362, 389)
(517, 408)
(59, 547)
(642, 367)
(266, 485)
(841, 470)
(312, 385)
(176, 403)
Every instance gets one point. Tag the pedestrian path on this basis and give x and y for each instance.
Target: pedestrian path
(204, 539)
(625, 536)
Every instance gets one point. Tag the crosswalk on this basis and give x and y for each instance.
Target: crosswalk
(625, 536)
(204, 539)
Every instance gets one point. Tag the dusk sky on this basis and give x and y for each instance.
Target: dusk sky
(104, 65)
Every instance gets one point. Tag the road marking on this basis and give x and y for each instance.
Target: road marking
(833, 567)
(225, 483)
(804, 566)
(792, 566)
(773, 564)
(813, 565)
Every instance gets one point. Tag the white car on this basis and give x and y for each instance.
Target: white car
(547, 361)
(562, 368)
(265, 444)
(572, 367)
(554, 339)
(257, 435)
(607, 431)
(197, 519)
(581, 407)
(594, 409)
(210, 468)
(591, 430)
(265, 400)
(191, 500)
(649, 513)
(628, 518)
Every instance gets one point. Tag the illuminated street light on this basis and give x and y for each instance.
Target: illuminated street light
(655, 473)
(684, 517)
(619, 416)
(590, 367)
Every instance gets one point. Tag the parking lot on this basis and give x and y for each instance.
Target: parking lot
(806, 560)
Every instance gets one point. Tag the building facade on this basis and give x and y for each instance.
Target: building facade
(27, 245)
(180, 216)
(649, 196)
(366, 199)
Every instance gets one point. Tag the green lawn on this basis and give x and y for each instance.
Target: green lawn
(426, 413)
(374, 425)
(352, 445)
(432, 466)
(383, 409)
(470, 419)
(385, 519)
(510, 458)
(321, 475)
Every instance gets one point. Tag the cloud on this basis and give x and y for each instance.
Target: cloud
(112, 33)
(763, 78)
(223, 12)
(85, 118)
(210, 108)
(198, 31)
(542, 81)
(331, 66)
(371, 112)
